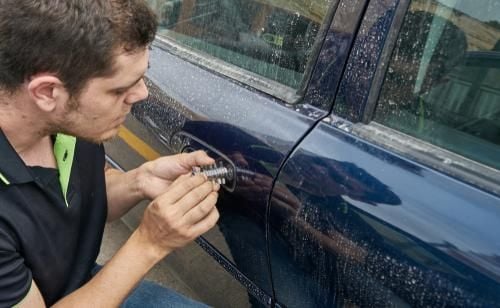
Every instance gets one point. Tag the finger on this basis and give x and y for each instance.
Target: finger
(182, 186)
(195, 197)
(181, 178)
(198, 158)
(202, 209)
(216, 186)
(205, 224)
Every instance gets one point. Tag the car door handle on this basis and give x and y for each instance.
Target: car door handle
(224, 169)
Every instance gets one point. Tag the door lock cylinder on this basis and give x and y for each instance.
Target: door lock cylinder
(217, 173)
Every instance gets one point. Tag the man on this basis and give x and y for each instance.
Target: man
(75, 68)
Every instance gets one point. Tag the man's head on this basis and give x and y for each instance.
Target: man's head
(73, 39)
(77, 66)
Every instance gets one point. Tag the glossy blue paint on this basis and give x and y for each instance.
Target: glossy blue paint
(334, 53)
(353, 223)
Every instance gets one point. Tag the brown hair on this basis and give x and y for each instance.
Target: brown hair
(75, 39)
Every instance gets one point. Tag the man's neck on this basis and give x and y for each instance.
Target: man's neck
(26, 131)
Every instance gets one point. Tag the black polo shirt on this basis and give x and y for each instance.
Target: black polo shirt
(51, 220)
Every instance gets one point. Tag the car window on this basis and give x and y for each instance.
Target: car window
(272, 38)
(443, 80)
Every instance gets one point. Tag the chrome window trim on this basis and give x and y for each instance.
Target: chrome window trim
(416, 150)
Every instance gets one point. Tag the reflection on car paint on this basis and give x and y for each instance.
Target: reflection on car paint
(373, 235)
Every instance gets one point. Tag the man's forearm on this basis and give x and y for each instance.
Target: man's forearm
(123, 192)
(114, 282)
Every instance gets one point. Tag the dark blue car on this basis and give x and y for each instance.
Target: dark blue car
(363, 139)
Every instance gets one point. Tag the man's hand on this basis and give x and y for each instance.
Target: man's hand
(185, 211)
(156, 176)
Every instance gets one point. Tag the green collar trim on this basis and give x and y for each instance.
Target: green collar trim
(4, 179)
(64, 151)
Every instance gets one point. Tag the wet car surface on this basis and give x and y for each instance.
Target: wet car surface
(363, 138)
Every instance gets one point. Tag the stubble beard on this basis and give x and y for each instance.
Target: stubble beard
(67, 126)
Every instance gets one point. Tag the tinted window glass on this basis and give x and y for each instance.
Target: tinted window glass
(443, 80)
(272, 38)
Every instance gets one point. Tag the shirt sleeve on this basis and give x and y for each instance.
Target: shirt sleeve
(15, 276)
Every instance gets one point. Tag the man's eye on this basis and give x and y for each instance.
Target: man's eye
(120, 92)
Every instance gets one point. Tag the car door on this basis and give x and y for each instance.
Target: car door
(239, 80)
(394, 198)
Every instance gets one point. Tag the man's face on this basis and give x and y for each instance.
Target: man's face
(98, 112)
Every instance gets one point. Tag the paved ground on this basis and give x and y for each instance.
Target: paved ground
(116, 233)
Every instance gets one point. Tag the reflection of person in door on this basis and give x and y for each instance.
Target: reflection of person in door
(310, 213)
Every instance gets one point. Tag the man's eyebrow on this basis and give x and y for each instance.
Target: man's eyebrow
(129, 86)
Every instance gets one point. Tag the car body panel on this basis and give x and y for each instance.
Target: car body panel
(379, 230)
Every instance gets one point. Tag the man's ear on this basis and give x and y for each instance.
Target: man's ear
(47, 91)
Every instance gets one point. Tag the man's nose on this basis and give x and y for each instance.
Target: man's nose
(140, 93)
